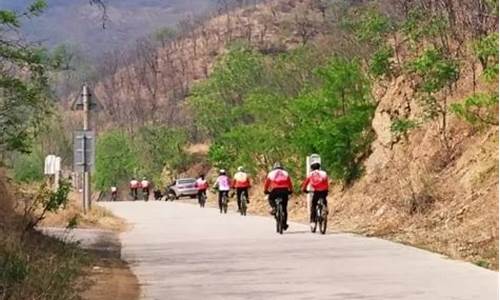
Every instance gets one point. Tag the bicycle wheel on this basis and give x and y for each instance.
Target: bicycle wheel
(243, 204)
(323, 219)
(224, 204)
(313, 228)
(279, 219)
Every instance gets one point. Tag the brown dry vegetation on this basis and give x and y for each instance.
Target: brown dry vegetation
(97, 217)
(150, 83)
(33, 266)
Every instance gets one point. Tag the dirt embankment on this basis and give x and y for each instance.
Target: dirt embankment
(35, 263)
(107, 277)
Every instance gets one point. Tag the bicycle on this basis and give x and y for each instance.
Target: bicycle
(279, 215)
(224, 201)
(321, 216)
(145, 194)
(243, 204)
(202, 199)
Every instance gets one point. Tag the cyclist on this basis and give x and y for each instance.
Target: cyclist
(157, 193)
(134, 185)
(318, 182)
(114, 193)
(223, 184)
(201, 186)
(278, 185)
(145, 188)
(241, 182)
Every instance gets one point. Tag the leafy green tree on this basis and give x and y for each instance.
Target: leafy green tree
(159, 147)
(372, 29)
(486, 50)
(482, 108)
(216, 102)
(436, 72)
(479, 109)
(28, 167)
(116, 159)
(334, 121)
(24, 92)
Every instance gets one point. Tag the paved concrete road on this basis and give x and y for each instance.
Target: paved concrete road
(180, 251)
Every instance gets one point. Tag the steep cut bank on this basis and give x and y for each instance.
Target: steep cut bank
(415, 192)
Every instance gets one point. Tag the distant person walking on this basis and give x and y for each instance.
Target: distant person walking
(134, 185)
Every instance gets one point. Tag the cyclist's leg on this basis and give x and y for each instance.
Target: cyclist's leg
(271, 199)
(238, 197)
(199, 196)
(314, 203)
(284, 196)
(246, 194)
(220, 200)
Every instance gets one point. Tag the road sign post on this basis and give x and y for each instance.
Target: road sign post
(84, 144)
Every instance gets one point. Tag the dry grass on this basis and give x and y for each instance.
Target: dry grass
(97, 217)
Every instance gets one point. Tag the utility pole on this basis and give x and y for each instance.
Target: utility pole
(84, 143)
(86, 170)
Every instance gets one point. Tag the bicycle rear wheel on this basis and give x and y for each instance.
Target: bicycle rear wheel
(324, 217)
(279, 219)
(243, 205)
(224, 204)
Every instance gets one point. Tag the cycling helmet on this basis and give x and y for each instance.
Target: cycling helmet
(240, 169)
(315, 166)
(222, 171)
(277, 165)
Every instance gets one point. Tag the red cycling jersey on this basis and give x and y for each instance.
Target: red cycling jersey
(318, 179)
(201, 184)
(241, 180)
(278, 179)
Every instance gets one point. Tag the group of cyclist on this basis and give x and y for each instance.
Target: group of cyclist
(278, 184)
(136, 185)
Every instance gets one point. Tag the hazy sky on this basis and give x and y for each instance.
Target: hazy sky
(76, 22)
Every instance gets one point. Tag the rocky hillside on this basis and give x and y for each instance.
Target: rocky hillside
(417, 193)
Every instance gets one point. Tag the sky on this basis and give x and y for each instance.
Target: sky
(76, 22)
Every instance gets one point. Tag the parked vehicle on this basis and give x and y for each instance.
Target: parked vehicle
(183, 187)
